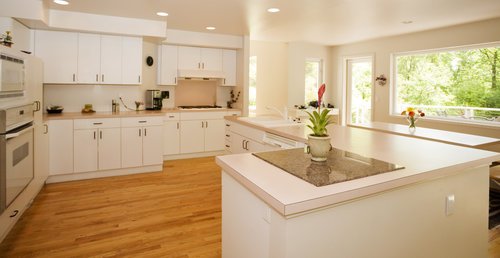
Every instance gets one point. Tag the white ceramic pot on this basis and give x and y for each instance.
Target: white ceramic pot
(319, 147)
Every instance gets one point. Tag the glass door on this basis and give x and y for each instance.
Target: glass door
(359, 90)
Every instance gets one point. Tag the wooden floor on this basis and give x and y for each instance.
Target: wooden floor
(174, 213)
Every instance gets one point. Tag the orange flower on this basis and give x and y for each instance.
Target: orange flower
(411, 114)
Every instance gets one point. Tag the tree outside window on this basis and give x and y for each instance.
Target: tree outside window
(252, 91)
(451, 84)
(313, 78)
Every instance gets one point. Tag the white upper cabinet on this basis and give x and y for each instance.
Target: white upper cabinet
(167, 65)
(194, 58)
(59, 51)
(211, 59)
(89, 58)
(131, 60)
(85, 58)
(229, 67)
(111, 59)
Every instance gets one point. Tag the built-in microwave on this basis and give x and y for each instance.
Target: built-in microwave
(11, 76)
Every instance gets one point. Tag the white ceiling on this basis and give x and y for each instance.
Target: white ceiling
(329, 22)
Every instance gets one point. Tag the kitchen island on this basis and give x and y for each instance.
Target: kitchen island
(437, 206)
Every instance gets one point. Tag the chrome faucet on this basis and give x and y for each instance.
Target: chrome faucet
(283, 114)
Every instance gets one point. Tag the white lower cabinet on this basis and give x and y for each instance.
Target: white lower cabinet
(96, 144)
(171, 134)
(241, 144)
(60, 147)
(202, 135)
(142, 143)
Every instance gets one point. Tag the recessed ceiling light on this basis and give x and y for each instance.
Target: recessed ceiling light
(162, 14)
(61, 2)
(407, 22)
(273, 10)
(210, 28)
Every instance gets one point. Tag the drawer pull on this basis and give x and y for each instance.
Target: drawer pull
(171, 116)
(227, 135)
(97, 123)
(143, 121)
(227, 146)
(14, 213)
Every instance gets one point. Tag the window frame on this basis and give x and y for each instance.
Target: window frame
(321, 76)
(393, 112)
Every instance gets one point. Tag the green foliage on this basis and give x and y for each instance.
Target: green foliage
(468, 78)
(319, 121)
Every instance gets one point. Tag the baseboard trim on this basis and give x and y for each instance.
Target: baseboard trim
(101, 174)
(194, 155)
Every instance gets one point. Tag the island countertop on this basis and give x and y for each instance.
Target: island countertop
(423, 160)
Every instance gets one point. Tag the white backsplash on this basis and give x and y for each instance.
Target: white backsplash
(74, 97)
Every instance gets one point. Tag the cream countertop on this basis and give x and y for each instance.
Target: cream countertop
(289, 195)
(79, 115)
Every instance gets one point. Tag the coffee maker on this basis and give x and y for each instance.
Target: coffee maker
(153, 100)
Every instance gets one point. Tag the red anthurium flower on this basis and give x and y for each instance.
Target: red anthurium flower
(321, 91)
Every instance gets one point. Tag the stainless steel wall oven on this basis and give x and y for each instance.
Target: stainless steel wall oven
(16, 152)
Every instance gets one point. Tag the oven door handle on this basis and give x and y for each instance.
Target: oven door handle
(16, 134)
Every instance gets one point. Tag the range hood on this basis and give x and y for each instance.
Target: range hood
(205, 75)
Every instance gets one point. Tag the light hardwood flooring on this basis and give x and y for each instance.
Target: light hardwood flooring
(174, 213)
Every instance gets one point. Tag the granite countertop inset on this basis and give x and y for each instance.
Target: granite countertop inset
(340, 166)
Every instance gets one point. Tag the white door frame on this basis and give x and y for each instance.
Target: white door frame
(346, 92)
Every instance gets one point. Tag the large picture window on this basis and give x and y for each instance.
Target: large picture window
(459, 84)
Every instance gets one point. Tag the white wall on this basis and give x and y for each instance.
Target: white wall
(272, 74)
(21, 35)
(472, 33)
(298, 52)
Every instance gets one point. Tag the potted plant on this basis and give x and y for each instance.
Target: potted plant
(319, 141)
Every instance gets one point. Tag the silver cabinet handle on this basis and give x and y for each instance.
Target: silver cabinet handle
(102, 77)
(74, 77)
(177, 125)
(98, 123)
(175, 80)
(100, 135)
(143, 121)
(37, 106)
(140, 132)
(202, 124)
(139, 80)
(206, 124)
(202, 65)
(94, 135)
(145, 132)
(46, 129)
(97, 77)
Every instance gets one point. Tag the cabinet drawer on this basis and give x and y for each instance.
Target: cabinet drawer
(171, 117)
(233, 113)
(248, 132)
(203, 115)
(96, 123)
(142, 121)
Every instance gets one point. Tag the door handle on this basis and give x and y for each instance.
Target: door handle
(100, 135)
(140, 132)
(139, 80)
(94, 135)
(102, 77)
(74, 77)
(46, 129)
(206, 124)
(145, 132)
(177, 125)
(37, 106)
(246, 145)
(202, 124)
(243, 144)
(97, 77)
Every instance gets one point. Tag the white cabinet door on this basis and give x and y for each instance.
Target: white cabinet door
(167, 65)
(89, 58)
(171, 138)
(189, 58)
(85, 150)
(59, 52)
(41, 150)
(211, 59)
(152, 145)
(111, 59)
(237, 143)
(192, 136)
(131, 60)
(60, 147)
(229, 67)
(215, 135)
(131, 147)
(109, 148)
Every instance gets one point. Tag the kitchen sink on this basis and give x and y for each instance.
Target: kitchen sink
(269, 121)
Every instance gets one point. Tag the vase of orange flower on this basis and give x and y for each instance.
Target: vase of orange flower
(412, 115)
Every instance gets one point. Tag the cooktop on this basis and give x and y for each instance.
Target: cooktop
(199, 107)
(340, 166)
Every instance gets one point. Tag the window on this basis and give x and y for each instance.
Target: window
(313, 78)
(461, 84)
(252, 91)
